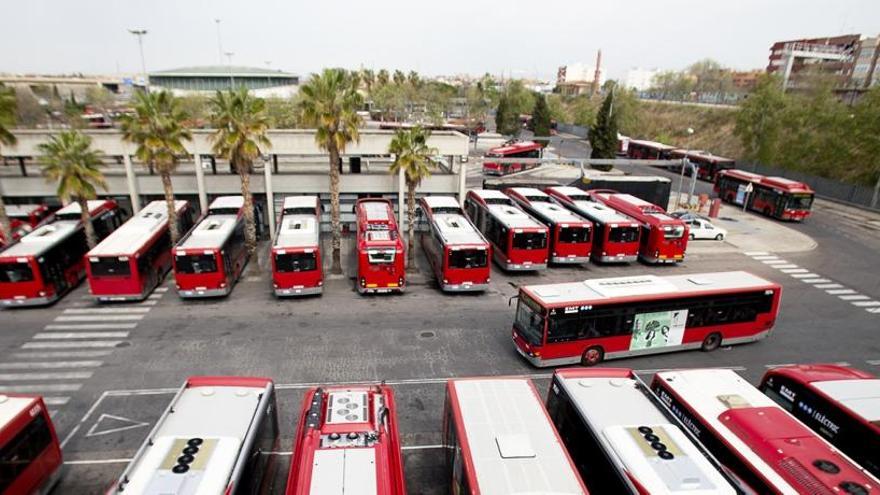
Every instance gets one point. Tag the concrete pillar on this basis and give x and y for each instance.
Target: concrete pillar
(462, 182)
(270, 199)
(132, 184)
(200, 182)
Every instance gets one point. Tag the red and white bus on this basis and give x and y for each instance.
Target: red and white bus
(30, 455)
(764, 449)
(648, 150)
(133, 260)
(571, 236)
(519, 149)
(519, 242)
(624, 441)
(499, 440)
(707, 164)
(841, 404)
(663, 238)
(458, 253)
(47, 263)
(776, 197)
(380, 252)
(605, 318)
(218, 435)
(615, 235)
(347, 442)
(210, 258)
(23, 219)
(296, 254)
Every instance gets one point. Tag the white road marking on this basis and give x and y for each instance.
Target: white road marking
(93, 326)
(60, 375)
(422, 447)
(100, 318)
(815, 281)
(149, 302)
(38, 365)
(71, 345)
(55, 387)
(775, 262)
(873, 310)
(873, 362)
(786, 266)
(56, 401)
(829, 286)
(90, 462)
(795, 270)
(80, 335)
(129, 424)
(155, 296)
(84, 311)
(865, 304)
(762, 257)
(60, 354)
(756, 253)
(803, 275)
(837, 292)
(857, 297)
(160, 289)
(768, 366)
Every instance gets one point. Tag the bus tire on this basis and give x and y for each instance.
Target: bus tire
(711, 342)
(592, 356)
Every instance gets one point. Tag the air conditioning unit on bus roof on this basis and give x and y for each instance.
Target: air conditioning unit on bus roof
(623, 286)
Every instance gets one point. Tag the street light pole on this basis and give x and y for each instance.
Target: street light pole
(684, 162)
(231, 77)
(219, 44)
(140, 36)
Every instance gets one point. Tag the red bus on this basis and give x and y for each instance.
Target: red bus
(498, 440)
(347, 442)
(30, 455)
(624, 441)
(763, 448)
(615, 235)
(218, 435)
(647, 150)
(571, 236)
(519, 242)
(841, 404)
(133, 260)
(381, 258)
(663, 239)
(296, 254)
(604, 318)
(47, 263)
(707, 164)
(209, 259)
(775, 197)
(458, 253)
(23, 219)
(520, 149)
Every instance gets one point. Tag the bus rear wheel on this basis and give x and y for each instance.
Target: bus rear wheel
(592, 356)
(711, 342)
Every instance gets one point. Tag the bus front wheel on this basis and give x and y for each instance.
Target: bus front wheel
(711, 342)
(592, 356)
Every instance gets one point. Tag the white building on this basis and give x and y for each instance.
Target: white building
(206, 80)
(579, 72)
(640, 79)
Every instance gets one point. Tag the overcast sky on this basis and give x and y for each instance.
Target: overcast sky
(523, 39)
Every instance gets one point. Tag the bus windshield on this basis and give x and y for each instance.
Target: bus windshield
(468, 258)
(530, 240)
(574, 234)
(623, 234)
(195, 263)
(529, 321)
(15, 272)
(799, 202)
(110, 267)
(295, 262)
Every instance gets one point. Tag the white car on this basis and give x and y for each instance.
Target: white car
(703, 229)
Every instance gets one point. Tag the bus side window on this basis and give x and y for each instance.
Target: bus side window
(260, 461)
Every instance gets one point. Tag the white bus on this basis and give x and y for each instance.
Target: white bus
(458, 253)
(296, 252)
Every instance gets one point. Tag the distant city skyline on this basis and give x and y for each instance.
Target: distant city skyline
(510, 38)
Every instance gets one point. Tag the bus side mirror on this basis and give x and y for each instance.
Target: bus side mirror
(510, 301)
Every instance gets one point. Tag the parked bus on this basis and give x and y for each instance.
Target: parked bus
(296, 254)
(44, 265)
(347, 442)
(707, 164)
(30, 455)
(381, 258)
(841, 404)
(623, 441)
(571, 236)
(209, 259)
(663, 238)
(217, 435)
(605, 318)
(615, 235)
(648, 150)
(498, 440)
(519, 149)
(519, 242)
(775, 197)
(761, 446)
(133, 260)
(23, 219)
(458, 253)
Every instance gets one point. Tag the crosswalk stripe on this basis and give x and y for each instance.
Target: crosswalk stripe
(837, 292)
(789, 265)
(815, 280)
(60, 354)
(775, 262)
(149, 302)
(873, 362)
(829, 286)
(795, 270)
(803, 275)
(56, 401)
(866, 304)
(93, 326)
(873, 310)
(160, 289)
(61, 375)
(155, 296)
(80, 335)
(85, 311)
(25, 365)
(756, 253)
(856, 297)
(766, 257)
(71, 345)
(100, 318)
(54, 387)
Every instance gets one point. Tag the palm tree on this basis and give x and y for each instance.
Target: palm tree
(7, 119)
(414, 79)
(241, 122)
(412, 155)
(71, 161)
(368, 78)
(399, 77)
(382, 77)
(157, 128)
(329, 102)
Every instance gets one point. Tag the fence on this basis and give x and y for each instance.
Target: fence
(827, 188)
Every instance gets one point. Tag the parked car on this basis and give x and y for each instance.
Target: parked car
(684, 215)
(700, 228)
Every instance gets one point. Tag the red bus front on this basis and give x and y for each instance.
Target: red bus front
(31, 452)
(527, 249)
(572, 243)
(616, 243)
(664, 243)
(297, 271)
(381, 268)
(201, 273)
(495, 168)
(466, 268)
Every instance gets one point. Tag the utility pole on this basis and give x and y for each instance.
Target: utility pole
(231, 77)
(684, 164)
(140, 36)
(219, 44)
(597, 73)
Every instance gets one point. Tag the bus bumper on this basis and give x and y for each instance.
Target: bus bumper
(300, 291)
(621, 258)
(519, 267)
(380, 290)
(200, 293)
(569, 260)
(29, 301)
(662, 260)
(464, 287)
(121, 297)
(547, 363)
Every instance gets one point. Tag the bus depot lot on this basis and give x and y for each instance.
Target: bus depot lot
(413, 341)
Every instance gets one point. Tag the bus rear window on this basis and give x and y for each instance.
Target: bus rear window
(195, 263)
(295, 262)
(110, 267)
(571, 235)
(674, 232)
(15, 272)
(468, 258)
(380, 256)
(530, 240)
(623, 234)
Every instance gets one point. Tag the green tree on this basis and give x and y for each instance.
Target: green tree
(758, 120)
(865, 136)
(506, 121)
(412, 155)
(368, 79)
(241, 137)
(541, 118)
(583, 111)
(76, 167)
(382, 77)
(330, 102)
(7, 120)
(158, 129)
(603, 135)
(520, 98)
(399, 77)
(282, 112)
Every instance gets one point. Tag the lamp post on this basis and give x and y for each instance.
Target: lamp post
(219, 44)
(140, 36)
(231, 77)
(684, 162)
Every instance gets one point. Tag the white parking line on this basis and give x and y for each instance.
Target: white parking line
(80, 335)
(90, 462)
(762, 257)
(55, 387)
(786, 266)
(775, 262)
(795, 270)
(101, 318)
(857, 297)
(93, 326)
(803, 275)
(148, 302)
(837, 292)
(155, 296)
(85, 311)
(60, 354)
(60, 375)
(756, 253)
(71, 345)
(815, 281)
(56, 401)
(866, 304)
(829, 286)
(35, 365)
(160, 289)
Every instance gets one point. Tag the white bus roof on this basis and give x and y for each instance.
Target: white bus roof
(196, 414)
(41, 239)
(441, 202)
(491, 194)
(513, 217)
(594, 210)
(615, 408)
(211, 232)
(513, 445)
(227, 202)
(73, 208)
(300, 202)
(11, 407)
(19, 211)
(297, 230)
(862, 397)
(456, 229)
(599, 289)
(132, 235)
(376, 211)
